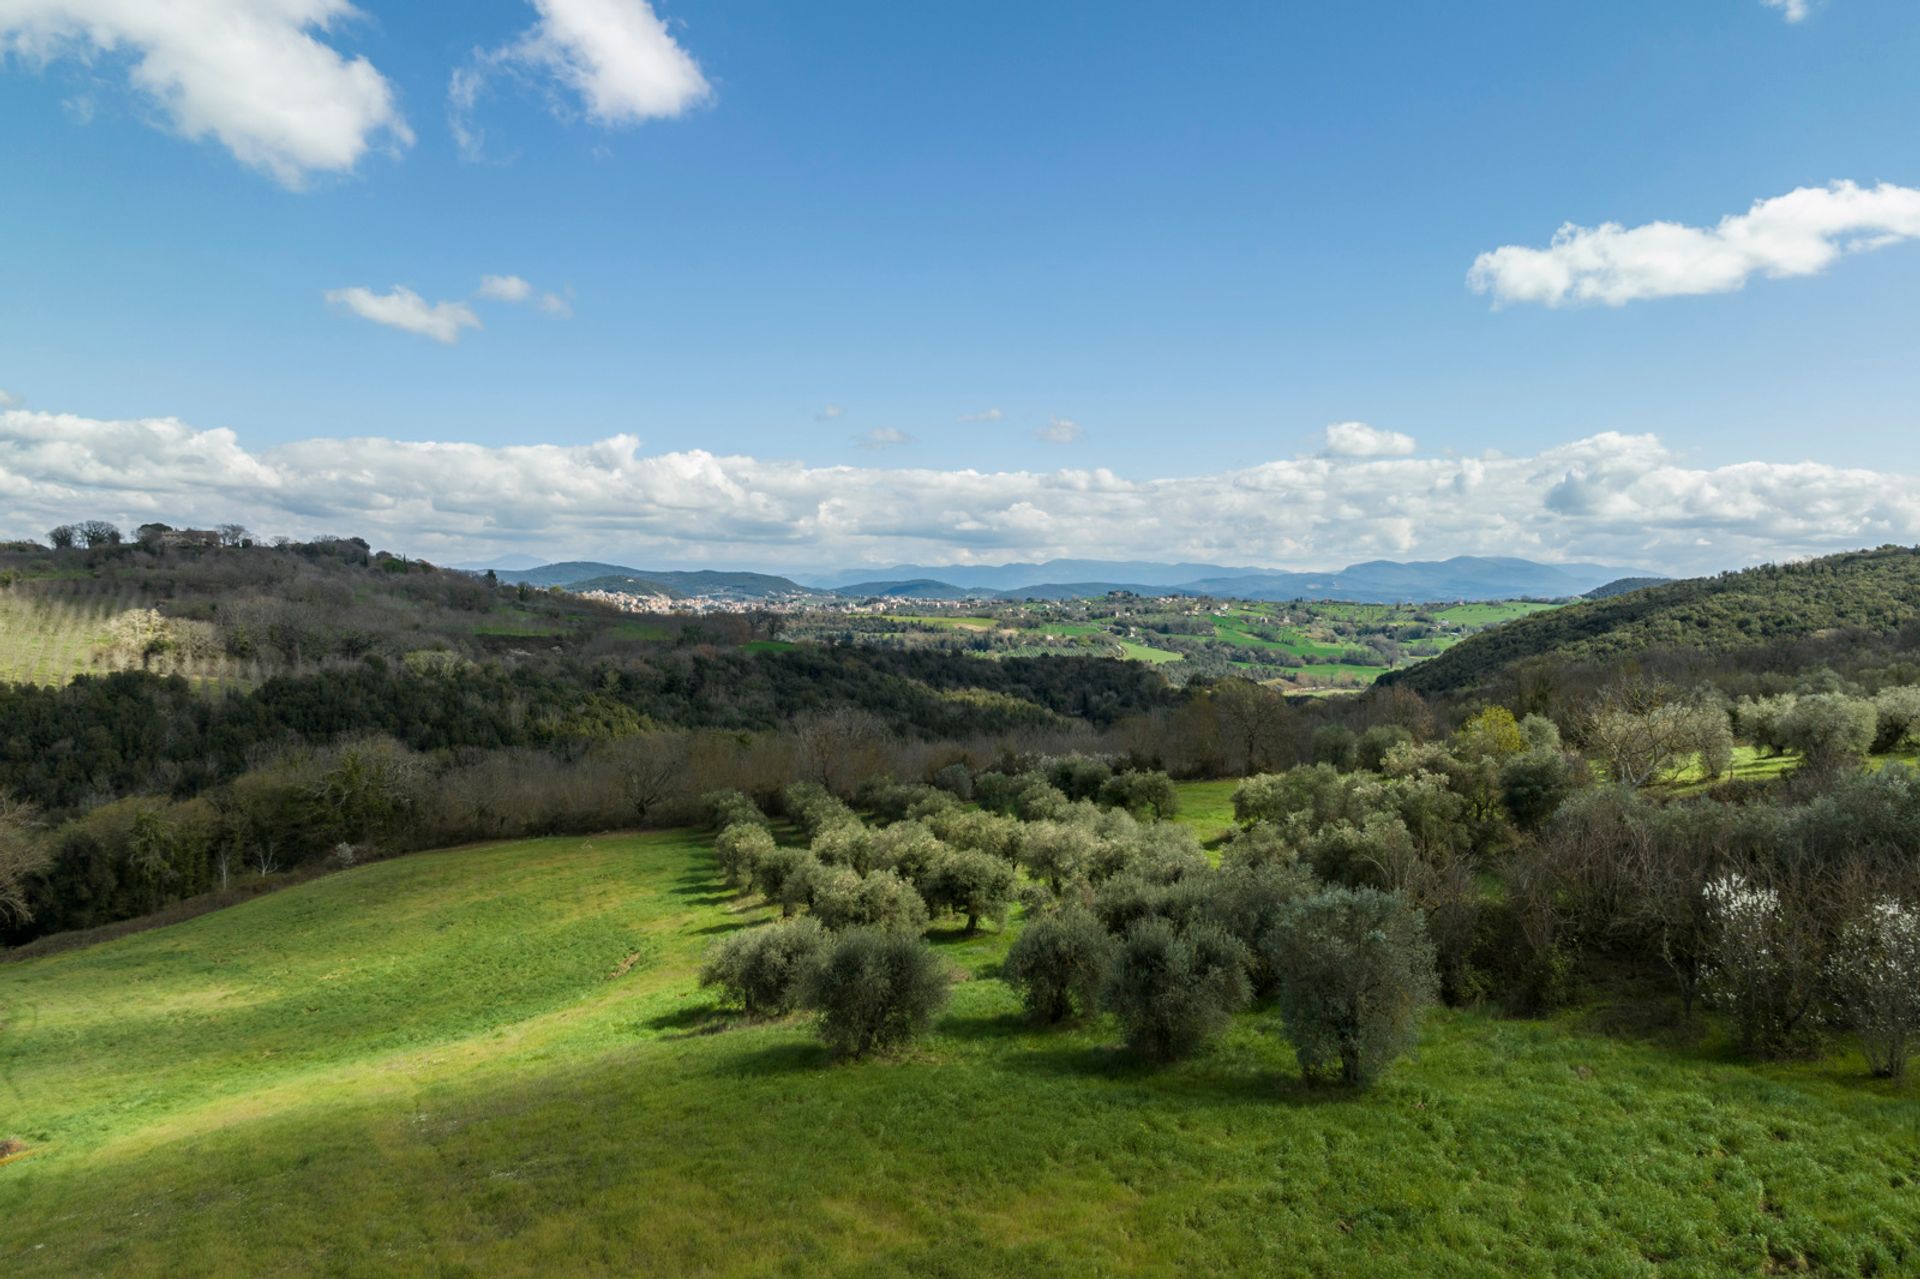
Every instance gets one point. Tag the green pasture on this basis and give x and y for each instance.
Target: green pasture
(495, 1061)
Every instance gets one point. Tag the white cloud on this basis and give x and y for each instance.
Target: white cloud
(1618, 498)
(505, 288)
(8, 400)
(250, 73)
(616, 58)
(882, 437)
(1792, 10)
(828, 413)
(554, 304)
(407, 310)
(1060, 430)
(984, 415)
(1357, 439)
(1800, 233)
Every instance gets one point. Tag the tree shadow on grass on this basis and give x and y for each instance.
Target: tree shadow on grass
(790, 1057)
(987, 1027)
(957, 935)
(695, 1019)
(702, 891)
(714, 930)
(1210, 1077)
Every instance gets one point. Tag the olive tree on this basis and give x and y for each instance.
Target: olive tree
(765, 970)
(1355, 972)
(1059, 963)
(1830, 730)
(738, 849)
(977, 885)
(876, 990)
(1174, 989)
(883, 901)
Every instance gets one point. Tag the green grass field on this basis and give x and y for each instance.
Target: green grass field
(1147, 653)
(494, 1061)
(1490, 614)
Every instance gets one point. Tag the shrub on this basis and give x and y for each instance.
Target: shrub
(977, 885)
(765, 970)
(876, 990)
(1356, 972)
(1058, 963)
(1533, 785)
(738, 847)
(1876, 972)
(1173, 989)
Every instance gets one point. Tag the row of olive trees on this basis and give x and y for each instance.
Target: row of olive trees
(1128, 917)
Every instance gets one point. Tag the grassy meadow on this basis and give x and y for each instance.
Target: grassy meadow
(495, 1061)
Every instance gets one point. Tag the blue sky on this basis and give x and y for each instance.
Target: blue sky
(1165, 245)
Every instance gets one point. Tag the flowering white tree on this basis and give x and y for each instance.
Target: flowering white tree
(1876, 969)
(1759, 965)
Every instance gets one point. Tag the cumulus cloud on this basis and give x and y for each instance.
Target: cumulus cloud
(1792, 10)
(1357, 439)
(1800, 233)
(614, 59)
(1060, 430)
(984, 415)
(406, 310)
(505, 288)
(882, 437)
(253, 74)
(1620, 498)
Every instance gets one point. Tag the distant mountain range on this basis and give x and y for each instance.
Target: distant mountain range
(1465, 577)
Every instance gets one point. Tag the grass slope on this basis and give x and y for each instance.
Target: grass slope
(494, 1061)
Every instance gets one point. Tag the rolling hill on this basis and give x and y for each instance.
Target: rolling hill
(1871, 591)
(497, 1061)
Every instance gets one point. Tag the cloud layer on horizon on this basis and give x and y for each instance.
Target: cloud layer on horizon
(1613, 497)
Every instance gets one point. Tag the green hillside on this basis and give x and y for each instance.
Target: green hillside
(481, 1061)
(1872, 591)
